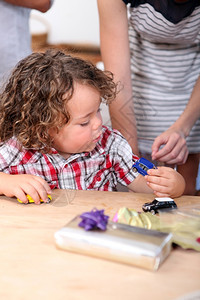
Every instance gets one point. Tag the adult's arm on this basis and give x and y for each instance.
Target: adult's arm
(41, 5)
(116, 58)
(175, 149)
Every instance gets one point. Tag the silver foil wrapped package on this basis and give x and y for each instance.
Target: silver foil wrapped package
(122, 243)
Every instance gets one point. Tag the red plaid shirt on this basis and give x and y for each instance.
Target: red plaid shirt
(110, 162)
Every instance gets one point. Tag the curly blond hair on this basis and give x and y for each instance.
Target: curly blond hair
(33, 99)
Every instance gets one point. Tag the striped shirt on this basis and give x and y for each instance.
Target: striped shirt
(165, 63)
(101, 169)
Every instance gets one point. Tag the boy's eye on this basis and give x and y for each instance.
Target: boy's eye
(85, 123)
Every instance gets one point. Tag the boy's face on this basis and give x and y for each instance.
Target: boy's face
(83, 130)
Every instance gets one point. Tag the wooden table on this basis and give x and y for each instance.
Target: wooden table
(31, 267)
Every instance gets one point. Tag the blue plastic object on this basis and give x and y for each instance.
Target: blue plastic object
(142, 165)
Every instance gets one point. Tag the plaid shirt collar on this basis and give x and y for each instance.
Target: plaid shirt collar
(96, 152)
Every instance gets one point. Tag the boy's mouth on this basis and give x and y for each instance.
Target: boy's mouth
(97, 139)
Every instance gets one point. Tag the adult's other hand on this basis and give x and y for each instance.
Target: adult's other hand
(174, 150)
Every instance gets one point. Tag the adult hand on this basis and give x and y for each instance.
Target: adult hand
(41, 5)
(174, 150)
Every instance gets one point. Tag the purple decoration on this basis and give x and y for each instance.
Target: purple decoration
(95, 219)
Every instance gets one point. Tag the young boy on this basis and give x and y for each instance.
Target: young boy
(52, 136)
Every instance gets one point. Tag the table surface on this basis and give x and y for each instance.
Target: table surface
(32, 267)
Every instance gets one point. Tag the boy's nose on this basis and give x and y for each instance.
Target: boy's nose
(97, 122)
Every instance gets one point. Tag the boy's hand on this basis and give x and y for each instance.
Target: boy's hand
(23, 184)
(165, 182)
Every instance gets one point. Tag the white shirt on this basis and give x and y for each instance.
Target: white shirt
(15, 41)
(15, 38)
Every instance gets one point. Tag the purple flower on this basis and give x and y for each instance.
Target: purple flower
(95, 219)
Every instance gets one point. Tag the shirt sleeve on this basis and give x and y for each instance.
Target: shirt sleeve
(51, 3)
(123, 159)
(9, 155)
(132, 2)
